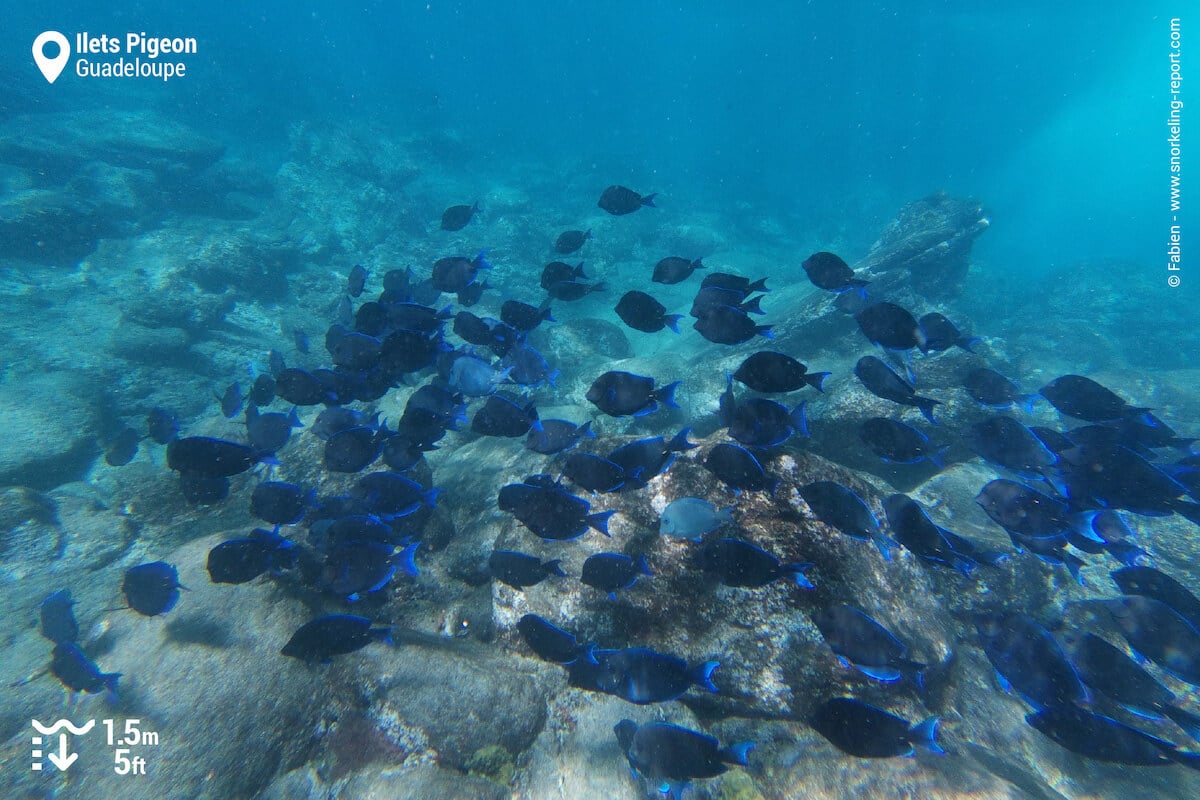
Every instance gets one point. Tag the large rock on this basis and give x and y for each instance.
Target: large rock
(50, 431)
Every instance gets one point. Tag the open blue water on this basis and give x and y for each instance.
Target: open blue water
(160, 238)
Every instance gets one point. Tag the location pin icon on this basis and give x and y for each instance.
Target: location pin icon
(51, 67)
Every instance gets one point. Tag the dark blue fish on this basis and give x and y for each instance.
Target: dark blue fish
(474, 377)
(737, 468)
(162, 425)
(519, 570)
(336, 419)
(550, 436)
(570, 241)
(990, 388)
(549, 512)
(56, 616)
(842, 509)
(862, 730)
(890, 326)
(356, 281)
(200, 490)
(302, 388)
(351, 350)
(1007, 443)
(1085, 399)
(570, 291)
(472, 294)
(354, 569)
(275, 362)
(915, 532)
(455, 218)
(333, 635)
(670, 757)
(560, 271)
(729, 325)
(940, 334)
(1157, 632)
(618, 200)
(643, 313)
(243, 560)
(829, 272)
(401, 453)
(78, 672)
(1157, 585)
(738, 563)
(122, 447)
(769, 371)
(473, 330)
(405, 351)
(862, 642)
(1112, 476)
(623, 394)
(723, 280)
(215, 458)
(711, 297)
(549, 642)
(527, 367)
(645, 459)
(300, 340)
(1105, 739)
(758, 422)
(594, 473)
(881, 381)
(1020, 509)
(502, 417)
(352, 450)
(445, 408)
(612, 572)
(151, 589)
(357, 528)
(523, 316)
(897, 443)
(640, 675)
(343, 313)
(389, 496)
(262, 391)
(280, 503)
(1112, 673)
(416, 317)
(269, 432)
(1029, 661)
(231, 401)
(453, 274)
(674, 269)
(1110, 531)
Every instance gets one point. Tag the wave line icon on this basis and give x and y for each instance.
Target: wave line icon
(64, 723)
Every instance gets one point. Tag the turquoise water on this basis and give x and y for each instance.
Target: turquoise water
(161, 238)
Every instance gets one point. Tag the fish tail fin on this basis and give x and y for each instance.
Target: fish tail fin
(430, 497)
(1185, 758)
(481, 261)
(885, 546)
(666, 394)
(554, 567)
(1189, 722)
(406, 559)
(799, 418)
(797, 570)
(736, 753)
(968, 343)
(752, 306)
(585, 430)
(679, 442)
(765, 331)
(579, 273)
(925, 734)
(759, 285)
(598, 287)
(1027, 402)
(599, 521)
(553, 376)
(698, 264)
(1189, 511)
(110, 681)
(926, 404)
(816, 379)
(644, 568)
(938, 459)
(648, 200)
(702, 676)
(672, 321)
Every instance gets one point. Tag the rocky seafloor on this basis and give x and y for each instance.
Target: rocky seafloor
(150, 268)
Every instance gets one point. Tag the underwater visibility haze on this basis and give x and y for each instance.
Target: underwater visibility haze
(571, 400)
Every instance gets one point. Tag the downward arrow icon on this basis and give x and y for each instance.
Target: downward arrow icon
(64, 758)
